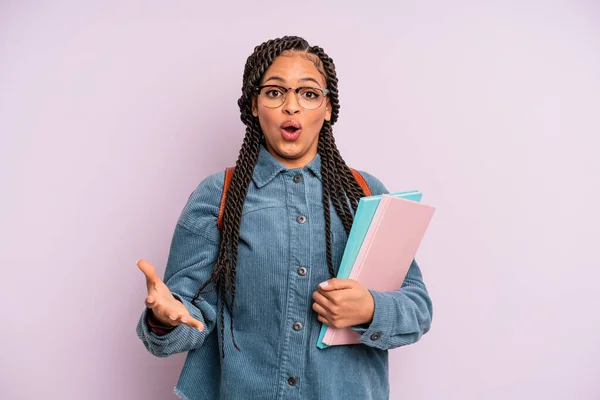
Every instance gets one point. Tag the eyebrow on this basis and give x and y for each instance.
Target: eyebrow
(280, 79)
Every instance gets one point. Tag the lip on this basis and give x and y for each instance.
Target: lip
(291, 136)
(291, 123)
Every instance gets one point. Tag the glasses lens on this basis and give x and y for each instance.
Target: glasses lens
(272, 96)
(310, 98)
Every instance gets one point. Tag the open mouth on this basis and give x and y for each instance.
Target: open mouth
(291, 130)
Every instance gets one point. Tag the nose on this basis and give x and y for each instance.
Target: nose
(290, 105)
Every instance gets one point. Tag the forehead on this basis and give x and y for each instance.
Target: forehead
(293, 67)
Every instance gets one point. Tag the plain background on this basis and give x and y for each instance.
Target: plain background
(112, 112)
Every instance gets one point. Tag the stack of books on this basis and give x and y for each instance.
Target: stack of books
(385, 235)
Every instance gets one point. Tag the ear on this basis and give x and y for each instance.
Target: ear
(328, 110)
(254, 107)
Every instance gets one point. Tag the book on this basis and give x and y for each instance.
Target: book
(383, 241)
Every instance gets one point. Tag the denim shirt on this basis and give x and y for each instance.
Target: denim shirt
(281, 261)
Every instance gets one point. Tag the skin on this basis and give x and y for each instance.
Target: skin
(339, 303)
(165, 307)
(292, 70)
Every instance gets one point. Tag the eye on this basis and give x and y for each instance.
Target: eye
(310, 94)
(273, 93)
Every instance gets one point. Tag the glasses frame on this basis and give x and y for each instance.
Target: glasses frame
(324, 91)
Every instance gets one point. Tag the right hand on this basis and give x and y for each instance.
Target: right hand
(166, 308)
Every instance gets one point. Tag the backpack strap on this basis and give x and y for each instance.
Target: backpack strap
(362, 182)
(229, 174)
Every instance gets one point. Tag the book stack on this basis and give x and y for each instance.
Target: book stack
(385, 235)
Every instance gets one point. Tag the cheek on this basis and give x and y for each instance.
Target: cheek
(266, 117)
(316, 120)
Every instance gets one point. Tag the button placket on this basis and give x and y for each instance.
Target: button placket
(298, 289)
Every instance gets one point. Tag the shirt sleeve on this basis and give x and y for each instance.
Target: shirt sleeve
(192, 256)
(401, 317)
(156, 326)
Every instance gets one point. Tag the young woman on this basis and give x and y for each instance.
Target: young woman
(247, 301)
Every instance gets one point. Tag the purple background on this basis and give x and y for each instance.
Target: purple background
(112, 112)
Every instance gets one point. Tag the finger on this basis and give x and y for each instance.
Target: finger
(323, 320)
(192, 322)
(322, 300)
(320, 310)
(149, 271)
(335, 284)
(150, 301)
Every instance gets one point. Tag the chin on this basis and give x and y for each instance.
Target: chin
(289, 153)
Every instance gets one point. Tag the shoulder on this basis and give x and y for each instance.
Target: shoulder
(377, 187)
(202, 208)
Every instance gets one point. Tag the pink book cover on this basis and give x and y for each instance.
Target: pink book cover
(390, 245)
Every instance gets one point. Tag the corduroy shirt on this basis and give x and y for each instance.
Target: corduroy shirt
(281, 261)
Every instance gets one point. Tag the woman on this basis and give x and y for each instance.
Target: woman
(247, 301)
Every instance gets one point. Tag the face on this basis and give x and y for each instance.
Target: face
(292, 132)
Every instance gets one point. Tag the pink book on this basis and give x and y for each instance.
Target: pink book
(387, 252)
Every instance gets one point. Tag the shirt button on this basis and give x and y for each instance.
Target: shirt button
(301, 219)
(292, 381)
(297, 326)
(302, 271)
(375, 336)
(297, 178)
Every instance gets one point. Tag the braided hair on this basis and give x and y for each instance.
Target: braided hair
(340, 188)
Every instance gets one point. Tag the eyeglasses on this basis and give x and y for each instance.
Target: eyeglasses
(273, 96)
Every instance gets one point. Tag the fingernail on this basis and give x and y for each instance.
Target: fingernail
(137, 262)
(150, 301)
(184, 320)
(171, 318)
(324, 284)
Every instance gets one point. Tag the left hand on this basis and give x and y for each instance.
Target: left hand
(342, 303)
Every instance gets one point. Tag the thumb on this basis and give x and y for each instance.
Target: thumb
(149, 271)
(335, 284)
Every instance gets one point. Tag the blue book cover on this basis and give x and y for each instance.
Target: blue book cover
(362, 220)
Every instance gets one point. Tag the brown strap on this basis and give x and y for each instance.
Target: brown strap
(229, 173)
(228, 176)
(362, 182)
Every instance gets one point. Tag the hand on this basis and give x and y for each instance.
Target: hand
(166, 308)
(342, 303)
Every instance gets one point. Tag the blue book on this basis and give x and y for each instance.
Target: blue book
(362, 220)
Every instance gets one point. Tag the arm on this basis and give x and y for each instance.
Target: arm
(400, 317)
(191, 260)
(383, 319)
(193, 253)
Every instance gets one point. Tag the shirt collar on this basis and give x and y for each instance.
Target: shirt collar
(267, 167)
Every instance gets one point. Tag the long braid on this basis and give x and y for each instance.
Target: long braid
(326, 178)
(330, 167)
(339, 185)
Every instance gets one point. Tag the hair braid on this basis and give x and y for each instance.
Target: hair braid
(339, 185)
(326, 178)
(329, 167)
